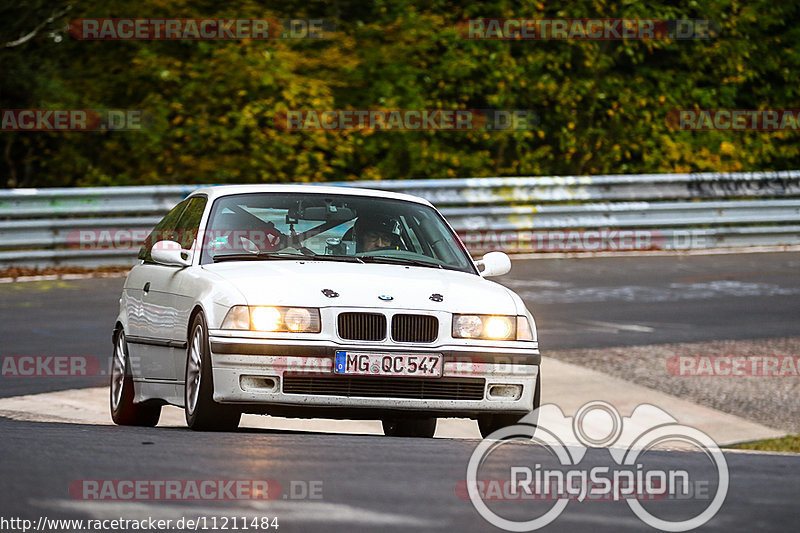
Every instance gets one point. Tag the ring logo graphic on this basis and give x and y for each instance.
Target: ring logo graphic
(634, 477)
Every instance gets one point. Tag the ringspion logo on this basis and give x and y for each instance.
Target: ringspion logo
(547, 483)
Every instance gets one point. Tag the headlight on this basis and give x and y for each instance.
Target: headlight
(524, 330)
(237, 318)
(262, 318)
(298, 319)
(467, 326)
(493, 327)
(498, 327)
(265, 318)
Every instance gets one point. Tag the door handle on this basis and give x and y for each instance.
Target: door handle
(147, 287)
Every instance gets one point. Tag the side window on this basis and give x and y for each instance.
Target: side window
(189, 223)
(164, 230)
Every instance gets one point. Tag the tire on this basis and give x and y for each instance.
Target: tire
(488, 424)
(202, 412)
(409, 427)
(124, 411)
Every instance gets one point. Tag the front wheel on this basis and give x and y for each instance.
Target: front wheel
(124, 411)
(202, 412)
(409, 427)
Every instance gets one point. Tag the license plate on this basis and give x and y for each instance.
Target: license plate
(374, 364)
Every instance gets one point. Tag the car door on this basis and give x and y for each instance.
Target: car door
(182, 287)
(150, 317)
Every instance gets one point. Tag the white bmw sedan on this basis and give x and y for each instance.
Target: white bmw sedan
(311, 301)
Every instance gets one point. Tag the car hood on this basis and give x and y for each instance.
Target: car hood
(301, 283)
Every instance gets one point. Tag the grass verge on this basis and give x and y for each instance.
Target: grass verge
(790, 443)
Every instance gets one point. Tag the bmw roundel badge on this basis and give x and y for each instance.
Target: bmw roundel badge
(386, 297)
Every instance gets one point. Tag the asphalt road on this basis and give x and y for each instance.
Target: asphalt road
(359, 482)
(614, 301)
(364, 482)
(578, 303)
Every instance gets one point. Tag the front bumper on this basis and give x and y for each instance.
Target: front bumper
(263, 376)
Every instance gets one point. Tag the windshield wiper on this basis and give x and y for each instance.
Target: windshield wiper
(263, 256)
(345, 258)
(399, 260)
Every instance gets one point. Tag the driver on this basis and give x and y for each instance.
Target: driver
(374, 232)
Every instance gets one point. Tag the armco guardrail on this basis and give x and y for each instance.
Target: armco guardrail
(43, 227)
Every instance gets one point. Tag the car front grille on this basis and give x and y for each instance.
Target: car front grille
(414, 328)
(386, 387)
(362, 326)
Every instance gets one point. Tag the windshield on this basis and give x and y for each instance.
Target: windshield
(273, 226)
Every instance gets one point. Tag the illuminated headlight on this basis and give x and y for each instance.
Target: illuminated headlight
(484, 327)
(265, 318)
(492, 327)
(262, 318)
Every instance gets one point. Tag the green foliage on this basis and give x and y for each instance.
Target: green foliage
(789, 443)
(210, 105)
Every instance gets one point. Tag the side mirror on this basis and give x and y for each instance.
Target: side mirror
(494, 264)
(170, 253)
